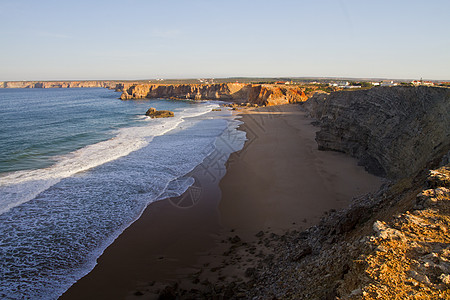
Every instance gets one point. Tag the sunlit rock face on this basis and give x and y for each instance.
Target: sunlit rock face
(252, 93)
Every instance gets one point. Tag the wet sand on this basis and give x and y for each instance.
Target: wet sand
(277, 182)
(163, 245)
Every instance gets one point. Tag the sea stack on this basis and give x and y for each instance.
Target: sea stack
(153, 113)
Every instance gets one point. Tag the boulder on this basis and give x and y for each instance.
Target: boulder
(153, 113)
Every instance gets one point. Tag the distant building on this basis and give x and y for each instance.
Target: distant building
(421, 82)
(341, 84)
(388, 83)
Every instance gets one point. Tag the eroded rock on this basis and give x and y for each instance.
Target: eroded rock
(153, 113)
(252, 94)
(393, 131)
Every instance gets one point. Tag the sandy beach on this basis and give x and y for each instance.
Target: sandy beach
(279, 181)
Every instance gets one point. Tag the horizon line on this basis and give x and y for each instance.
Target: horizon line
(232, 77)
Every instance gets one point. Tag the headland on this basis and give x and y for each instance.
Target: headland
(291, 221)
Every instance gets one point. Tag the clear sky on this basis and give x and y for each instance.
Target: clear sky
(137, 39)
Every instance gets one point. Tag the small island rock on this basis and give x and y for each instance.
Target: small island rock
(153, 113)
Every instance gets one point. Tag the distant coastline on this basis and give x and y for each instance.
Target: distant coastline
(282, 92)
(304, 81)
(58, 84)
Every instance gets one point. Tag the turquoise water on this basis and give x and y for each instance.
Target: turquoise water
(78, 166)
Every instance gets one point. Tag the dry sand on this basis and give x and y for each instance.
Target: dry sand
(279, 181)
(280, 177)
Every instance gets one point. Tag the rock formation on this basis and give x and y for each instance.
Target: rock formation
(153, 113)
(59, 84)
(236, 92)
(267, 94)
(396, 248)
(393, 131)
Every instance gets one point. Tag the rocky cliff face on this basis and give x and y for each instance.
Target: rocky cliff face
(392, 244)
(257, 94)
(393, 131)
(235, 92)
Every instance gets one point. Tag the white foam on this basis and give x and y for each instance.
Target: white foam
(22, 186)
(91, 211)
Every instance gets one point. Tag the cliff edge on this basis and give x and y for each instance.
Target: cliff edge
(393, 131)
(111, 84)
(235, 92)
(392, 244)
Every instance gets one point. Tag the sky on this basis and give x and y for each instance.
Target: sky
(138, 39)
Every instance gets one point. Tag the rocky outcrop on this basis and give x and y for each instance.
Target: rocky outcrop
(236, 92)
(393, 131)
(398, 249)
(153, 113)
(407, 256)
(177, 91)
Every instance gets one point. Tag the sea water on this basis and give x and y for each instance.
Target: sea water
(78, 166)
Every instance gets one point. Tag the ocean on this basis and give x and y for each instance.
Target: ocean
(78, 166)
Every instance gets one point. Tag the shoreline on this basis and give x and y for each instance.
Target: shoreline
(181, 226)
(170, 248)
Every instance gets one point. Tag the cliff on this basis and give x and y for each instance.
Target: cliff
(392, 244)
(266, 94)
(236, 92)
(393, 131)
(59, 84)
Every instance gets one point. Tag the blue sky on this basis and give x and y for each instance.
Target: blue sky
(137, 39)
